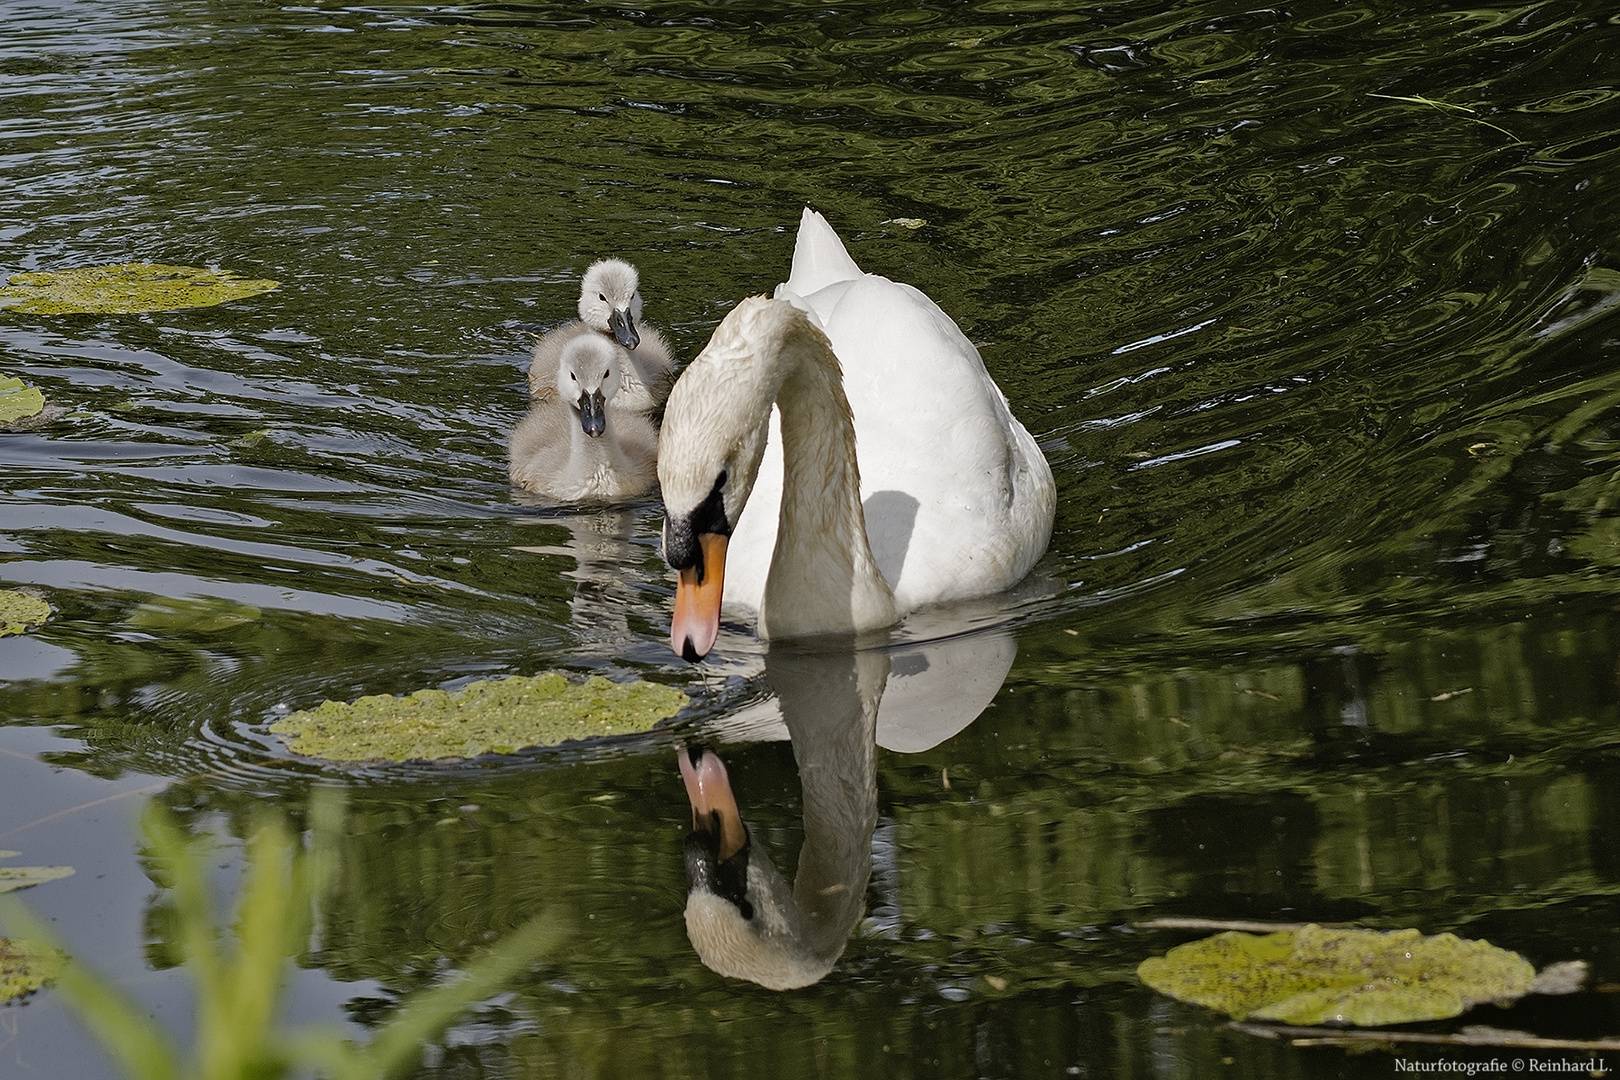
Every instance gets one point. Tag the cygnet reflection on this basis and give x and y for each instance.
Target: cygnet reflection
(602, 545)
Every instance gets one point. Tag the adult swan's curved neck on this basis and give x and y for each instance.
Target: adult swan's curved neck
(823, 579)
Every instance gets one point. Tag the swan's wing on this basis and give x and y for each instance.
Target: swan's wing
(819, 256)
(959, 498)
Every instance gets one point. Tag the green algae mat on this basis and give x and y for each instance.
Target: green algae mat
(13, 878)
(20, 612)
(126, 288)
(495, 716)
(1315, 975)
(25, 966)
(18, 400)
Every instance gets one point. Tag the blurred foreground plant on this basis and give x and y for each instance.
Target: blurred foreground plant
(239, 975)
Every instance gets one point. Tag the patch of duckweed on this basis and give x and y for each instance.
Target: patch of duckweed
(25, 966)
(1315, 975)
(126, 288)
(20, 612)
(13, 878)
(495, 716)
(18, 400)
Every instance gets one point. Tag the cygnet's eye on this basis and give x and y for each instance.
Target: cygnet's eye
(604, 376)
(571, 377)
(602, 297)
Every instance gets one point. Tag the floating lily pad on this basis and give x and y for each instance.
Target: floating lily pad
(125, 288)
(26, 966)
(13, 878)
(20, 613)
(193, 614)
(1318, 976)
(496, 716)
(18, 400)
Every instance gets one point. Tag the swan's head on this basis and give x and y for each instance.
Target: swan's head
(587, 378)
(610, 300)
(740, 915)
(713, 439)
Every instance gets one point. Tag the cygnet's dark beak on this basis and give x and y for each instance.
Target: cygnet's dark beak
(591, 415)
(623, 326)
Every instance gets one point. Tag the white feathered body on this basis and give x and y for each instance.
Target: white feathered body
(959, 501)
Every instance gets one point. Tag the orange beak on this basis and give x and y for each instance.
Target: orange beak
(714, 806)
(697, 601)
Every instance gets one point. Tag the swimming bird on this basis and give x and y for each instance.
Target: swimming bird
(573, 445)
(610, 304)
(897, 475)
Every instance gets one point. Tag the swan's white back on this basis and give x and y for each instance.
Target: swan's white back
(959, 499)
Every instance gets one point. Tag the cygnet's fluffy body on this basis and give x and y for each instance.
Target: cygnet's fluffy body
(574, 444)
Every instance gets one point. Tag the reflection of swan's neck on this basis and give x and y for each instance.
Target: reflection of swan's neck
(823, 578)
(831, 713)
(742, 917)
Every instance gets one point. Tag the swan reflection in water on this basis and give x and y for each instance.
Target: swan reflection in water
(837, 708)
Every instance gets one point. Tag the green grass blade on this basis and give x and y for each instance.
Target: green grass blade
(141, 1047)
(426, 1013)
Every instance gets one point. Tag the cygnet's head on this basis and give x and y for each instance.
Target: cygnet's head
(610, 300)
(587, 378)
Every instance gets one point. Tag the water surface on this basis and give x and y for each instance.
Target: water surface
(1313, 310)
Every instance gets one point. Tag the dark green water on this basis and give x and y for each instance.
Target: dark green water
(1330, 381)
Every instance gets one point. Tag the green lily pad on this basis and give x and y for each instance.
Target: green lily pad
(20, 613)
(18, 400)
(193, 614)
(13, 878)
(125, 288)
(1318, 976)
(495, 716)
(26, 966)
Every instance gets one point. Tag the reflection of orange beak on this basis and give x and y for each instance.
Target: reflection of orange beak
(697, 601)
(714, 806)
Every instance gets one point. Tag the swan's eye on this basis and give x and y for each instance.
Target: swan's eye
(571, 377)
(602, 297)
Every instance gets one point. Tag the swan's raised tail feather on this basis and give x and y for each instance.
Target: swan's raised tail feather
(819, 256)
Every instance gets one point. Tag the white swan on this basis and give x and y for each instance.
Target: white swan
(572, 445)
(917, 488)
(610, 303)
